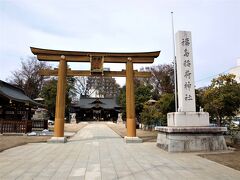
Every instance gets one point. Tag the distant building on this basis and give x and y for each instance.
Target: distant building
(236, 71)
(96, 109)
(102, 87)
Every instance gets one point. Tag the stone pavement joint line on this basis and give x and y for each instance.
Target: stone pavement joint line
(96, 152)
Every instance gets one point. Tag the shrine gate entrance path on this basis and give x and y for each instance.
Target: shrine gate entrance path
(96, 152)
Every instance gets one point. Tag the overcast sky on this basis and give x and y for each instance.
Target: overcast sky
(121, 26)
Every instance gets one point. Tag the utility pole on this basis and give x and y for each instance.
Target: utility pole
(175, 66)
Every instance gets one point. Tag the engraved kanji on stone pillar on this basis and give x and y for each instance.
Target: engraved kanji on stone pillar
(185, 74)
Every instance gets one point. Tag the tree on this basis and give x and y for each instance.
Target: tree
(142, 95)
(28, 78)
(199, 93)
(162, 79)
(150, 115)
(122, 101)
(160, 85)
(49, 92)
(165, 105)
(222, 97)
(81, 85)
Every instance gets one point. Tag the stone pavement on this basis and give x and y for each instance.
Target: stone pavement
(96, 152)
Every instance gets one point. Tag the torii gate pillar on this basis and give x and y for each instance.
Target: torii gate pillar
(60, 102)
(130, 104)
(130, 100)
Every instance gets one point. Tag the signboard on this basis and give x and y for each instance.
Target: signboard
(185, 74)
(97, 64)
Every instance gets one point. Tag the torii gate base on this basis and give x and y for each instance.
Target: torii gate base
(57, 140)
(132, 139)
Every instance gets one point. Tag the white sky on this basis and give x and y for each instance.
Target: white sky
(121, 26)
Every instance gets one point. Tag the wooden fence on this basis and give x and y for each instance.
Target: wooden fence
(22, 126)
(15, 126)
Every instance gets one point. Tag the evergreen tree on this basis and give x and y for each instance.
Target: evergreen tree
(222, 98)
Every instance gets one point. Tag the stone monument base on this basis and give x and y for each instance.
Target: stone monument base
(191, 139)
(73, 121)
(57, 140)
(188, 119)
(132, 139)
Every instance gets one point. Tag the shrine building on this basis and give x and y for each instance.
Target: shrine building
(96, 109)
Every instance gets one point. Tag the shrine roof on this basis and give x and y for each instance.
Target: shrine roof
(89, 103)
(14, 93)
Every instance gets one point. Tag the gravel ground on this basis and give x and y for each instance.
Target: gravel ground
(7, 142)
(12, 140)
(146, 136)
(228, 159)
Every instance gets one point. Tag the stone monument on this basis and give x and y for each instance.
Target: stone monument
(187, 129)
(40, 114)
(73, 118)
(119, 120)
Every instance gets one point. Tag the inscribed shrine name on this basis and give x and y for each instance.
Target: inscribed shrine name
(185, 75)
(97, 64)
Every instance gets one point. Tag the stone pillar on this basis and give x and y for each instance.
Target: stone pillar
(187, 129)
(185, 74)
(60, 102)
(187, 115)
(130, 100)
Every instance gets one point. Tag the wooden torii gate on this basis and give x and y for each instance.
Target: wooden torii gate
(96, 59)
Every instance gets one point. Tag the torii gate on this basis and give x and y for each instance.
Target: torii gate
(96, 59)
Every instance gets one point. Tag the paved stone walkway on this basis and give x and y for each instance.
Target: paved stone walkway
(96, 152)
